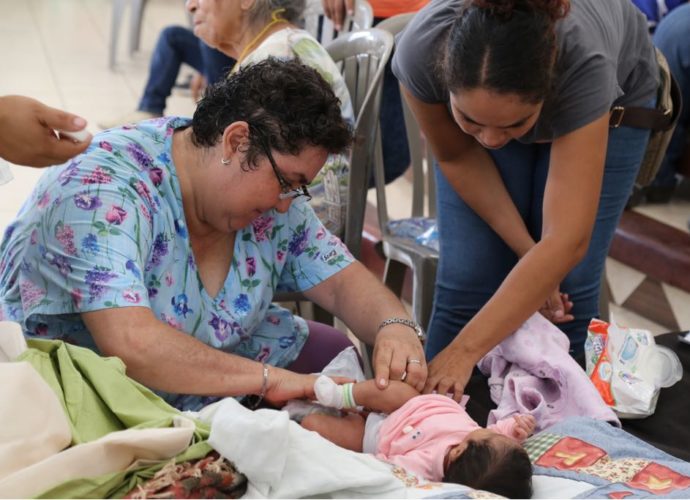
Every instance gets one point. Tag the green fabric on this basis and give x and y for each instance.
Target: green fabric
(99, 398)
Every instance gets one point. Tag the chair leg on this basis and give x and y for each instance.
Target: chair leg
(367, 353)
(423, 291)
(115, 22)
(135, 26)
(394, 276)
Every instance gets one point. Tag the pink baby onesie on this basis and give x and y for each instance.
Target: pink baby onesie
(417, 435)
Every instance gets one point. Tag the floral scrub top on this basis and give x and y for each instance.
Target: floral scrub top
(329, 188)
(108, 230)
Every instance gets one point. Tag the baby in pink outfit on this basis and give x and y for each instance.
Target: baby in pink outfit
(430, 435)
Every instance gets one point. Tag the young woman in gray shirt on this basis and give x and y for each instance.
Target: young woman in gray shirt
(515, 98)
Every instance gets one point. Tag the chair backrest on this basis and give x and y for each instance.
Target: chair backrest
(421, 159)
(321, 28)
(362, 57)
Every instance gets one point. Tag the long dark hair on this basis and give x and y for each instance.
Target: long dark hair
(506, 46)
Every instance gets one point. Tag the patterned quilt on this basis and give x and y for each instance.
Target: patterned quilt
(584, 458)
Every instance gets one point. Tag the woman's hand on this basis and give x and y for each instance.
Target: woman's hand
(449, 373)
(284, 385)
(557, 308)
(399, 355)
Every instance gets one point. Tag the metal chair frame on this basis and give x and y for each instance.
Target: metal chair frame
(402, 253)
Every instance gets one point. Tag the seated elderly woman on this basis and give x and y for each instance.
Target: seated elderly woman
(253, 30)
(164, 243)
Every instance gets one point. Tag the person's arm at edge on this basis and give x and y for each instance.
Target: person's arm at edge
(27, 134)
(337, 10)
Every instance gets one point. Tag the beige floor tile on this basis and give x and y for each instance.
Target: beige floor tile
(675, 214)
(623, 280)
(680, 303)
(624, 317)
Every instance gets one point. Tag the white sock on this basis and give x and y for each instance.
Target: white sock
(330, 394)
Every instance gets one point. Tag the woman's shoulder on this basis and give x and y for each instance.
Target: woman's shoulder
(605, 27)
(132, 164)
(418, 50)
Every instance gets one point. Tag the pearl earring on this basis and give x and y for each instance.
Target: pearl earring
(225, 161)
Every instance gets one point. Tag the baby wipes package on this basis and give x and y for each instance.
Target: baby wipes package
(628, 368)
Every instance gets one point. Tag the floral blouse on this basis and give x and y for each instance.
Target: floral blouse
(108, 230)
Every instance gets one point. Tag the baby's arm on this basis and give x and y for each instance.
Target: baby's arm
(386, 400)
(518, 427)
(393, 396)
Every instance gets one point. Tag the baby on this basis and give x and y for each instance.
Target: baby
(429, 434)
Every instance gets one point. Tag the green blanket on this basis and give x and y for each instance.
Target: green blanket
(99, 398)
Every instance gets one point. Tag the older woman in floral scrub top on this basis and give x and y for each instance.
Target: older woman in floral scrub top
(164, 243)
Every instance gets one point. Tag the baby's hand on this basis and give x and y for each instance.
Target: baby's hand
(524, 426)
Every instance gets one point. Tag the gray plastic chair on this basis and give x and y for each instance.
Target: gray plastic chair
(404, 252)
(361, 57)
(137, 10)
(322, 28)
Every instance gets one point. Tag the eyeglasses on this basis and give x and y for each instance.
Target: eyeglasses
(287, 192)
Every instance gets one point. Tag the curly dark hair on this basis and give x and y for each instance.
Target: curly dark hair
(483, 467)
(507, 46)
(287, 105)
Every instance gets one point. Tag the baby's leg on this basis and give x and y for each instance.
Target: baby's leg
(346, 432)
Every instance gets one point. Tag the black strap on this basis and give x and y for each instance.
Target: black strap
(651, 118)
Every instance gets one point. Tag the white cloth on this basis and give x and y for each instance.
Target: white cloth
(12, 341)
(283, 460)
(35, 432)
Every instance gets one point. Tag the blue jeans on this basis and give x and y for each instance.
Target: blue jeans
(474, 260)
(672, 36)
(177, 45)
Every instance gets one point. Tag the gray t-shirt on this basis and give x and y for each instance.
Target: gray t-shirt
(605, 58)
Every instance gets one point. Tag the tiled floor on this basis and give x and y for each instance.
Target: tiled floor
(56, 51)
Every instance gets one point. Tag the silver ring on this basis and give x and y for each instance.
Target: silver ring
(414, 362)
(404, 376)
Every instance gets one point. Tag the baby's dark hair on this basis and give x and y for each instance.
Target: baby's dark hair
(483, 467)
(287, 105)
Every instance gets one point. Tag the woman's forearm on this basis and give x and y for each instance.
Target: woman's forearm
(520, 295)
(475, 178)
(359, 299)
(163, 358)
